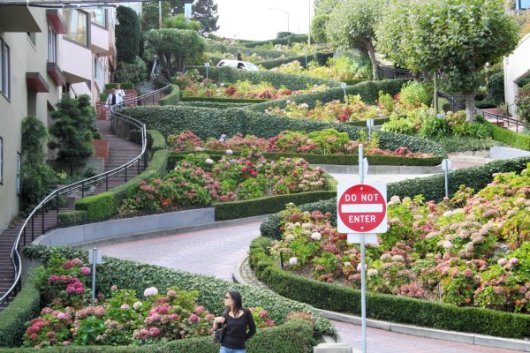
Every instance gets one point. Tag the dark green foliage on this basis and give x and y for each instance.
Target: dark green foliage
(72, 218)
(318, 28)
(172, 98)
(511, 138)
(128, 35)
(205, 12)
(180, 21)
(150, 14)
(496, 87)
(37, 179)
(321, 58)
(383, 306)
(134, 72)
(158, 140)
(126, 85)
(266, 205)
(463, 144)
(295, 38)
(97, 207)
(293, 82)
(22, 309)
(212, 105)
(281, 35)
(74, 127)
(133, 275)
(485, 103)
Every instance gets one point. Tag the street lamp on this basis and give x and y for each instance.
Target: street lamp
(284, 11)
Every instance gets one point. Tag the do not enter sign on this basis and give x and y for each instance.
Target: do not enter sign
(361, 208)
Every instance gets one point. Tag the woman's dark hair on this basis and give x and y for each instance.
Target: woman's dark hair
(236, 297)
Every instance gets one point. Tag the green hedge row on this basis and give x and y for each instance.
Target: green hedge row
(383, 306)
(213, 123)
(22, 309)
(133, 275)
(320, 58)
(294, 38)
(511, 138)
(213, 105)
(432, 187)
(222, 100)
(292, 82)
(333, 159)
(105, 205)
(158, 141)
(368, 90)
(172, 98)
(72, 218)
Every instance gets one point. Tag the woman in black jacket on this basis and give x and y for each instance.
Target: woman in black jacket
(237, 320)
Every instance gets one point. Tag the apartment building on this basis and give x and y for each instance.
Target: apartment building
(45, 53)
(516, 68)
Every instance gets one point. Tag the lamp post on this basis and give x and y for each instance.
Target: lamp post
(206, 65)
(284, 11)
(309, 25)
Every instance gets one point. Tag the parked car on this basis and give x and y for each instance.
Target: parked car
(238, 64)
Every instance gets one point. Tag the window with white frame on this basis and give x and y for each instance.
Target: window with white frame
(4, 68)
(77, 26)
(99, 17)
(52, 45)
(1, 161)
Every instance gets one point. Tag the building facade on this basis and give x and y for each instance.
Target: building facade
(516, 68)
(45, 53)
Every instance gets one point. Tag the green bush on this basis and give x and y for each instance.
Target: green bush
(292, 82)
(133, 275)
(320, 57)
(213, 105)
(486, 103)
(172, 98)
(295, 38)
(463, 144)
(98, 207)
(496, 86)
(158, 140)
(221, 100)
(511, 138)
(126, 85)
(134, 72)
(23, 308)
(383, 306)
(72, 218)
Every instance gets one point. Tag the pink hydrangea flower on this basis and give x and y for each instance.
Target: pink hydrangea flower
(171, 293)
(154, 331)
(194, 318)
(61, 316)
(125, 306)
(85, 271)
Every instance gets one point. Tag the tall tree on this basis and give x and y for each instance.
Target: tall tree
(458, 37)
(150, 14)
(325, 7)
(181, 22)
(128, 34)
(352, 25)
(205, 12)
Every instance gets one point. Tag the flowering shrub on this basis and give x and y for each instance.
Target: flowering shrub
(342, 68)
(327, 141)
(261, 317)
(241, 90)
(470, 250)
(198, 180)
(354, 109)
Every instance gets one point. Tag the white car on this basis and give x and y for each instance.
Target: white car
(238, 64)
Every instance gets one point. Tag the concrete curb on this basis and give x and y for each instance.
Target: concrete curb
(469, 338)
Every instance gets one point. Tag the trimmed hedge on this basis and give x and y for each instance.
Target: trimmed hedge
(133, 275)
(383, 306)
(511, 138)
(21, 310)
(206, 123)
(105, 205)
(292, 337)
(293, 38)
(158, 141)
(320, 58)
(333, 159)
(172, 98)
(72, 218)
(213, 105)
(368, 90)
(432, 188)
(277, 79)
(222, 100)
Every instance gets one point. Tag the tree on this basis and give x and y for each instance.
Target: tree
(175, 48)
(351, 25)
(150, 14)
(128, 34)
(74, 127)
(37, 178)
(458, 37)
(205, 12)
(325, 7)
(318, 28)
(181, 22)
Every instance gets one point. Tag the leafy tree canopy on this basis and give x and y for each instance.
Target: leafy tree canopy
(128, 34)
(205, 12)
(181, 22)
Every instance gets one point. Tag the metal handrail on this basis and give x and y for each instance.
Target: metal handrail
(505, 118)
(115, 114)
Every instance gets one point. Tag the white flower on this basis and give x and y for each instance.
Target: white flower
(297, 224)
(209, 161)
(347, 264)
(229, 152)
(293, 261)
(447, 244)
(199, 149)
(289, 237)
(359, 267)
(150, 291)
(372, 272)
(316, 236)
(394, 200)
(397, 258)
(306, 225)
(137, 305)
(502, 261)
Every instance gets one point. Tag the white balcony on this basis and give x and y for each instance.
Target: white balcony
(75, 61)
(99, 40)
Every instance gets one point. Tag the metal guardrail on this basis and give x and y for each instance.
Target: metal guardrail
(504, 119)
(121, 124)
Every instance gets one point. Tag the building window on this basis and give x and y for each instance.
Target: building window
(52, 45)
(99, 17)
(19, 161)
(76, 26)
(4, 69)
(1, 161)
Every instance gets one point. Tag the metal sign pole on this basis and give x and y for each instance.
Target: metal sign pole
(446, 165)
(94, 262)
(363, 261)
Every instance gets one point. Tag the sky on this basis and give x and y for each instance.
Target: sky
(254, 19)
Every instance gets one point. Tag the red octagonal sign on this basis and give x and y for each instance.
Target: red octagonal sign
(361, 208)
